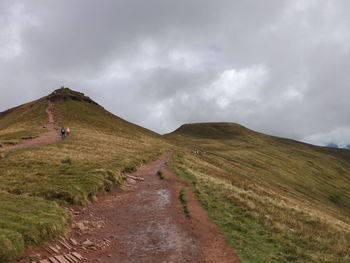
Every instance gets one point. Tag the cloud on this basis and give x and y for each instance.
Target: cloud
(276, 66)
(237, 85)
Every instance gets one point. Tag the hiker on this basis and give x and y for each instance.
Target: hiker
(67, 131)
(63, 133)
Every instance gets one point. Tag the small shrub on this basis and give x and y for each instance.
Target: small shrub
(160, 174)
(183, 200)
(67, 160)
(129, 169)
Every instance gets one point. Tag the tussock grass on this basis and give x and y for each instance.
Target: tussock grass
(27, 221)
(277, 200)
(183, 200)
(160, 174)
(67, 160)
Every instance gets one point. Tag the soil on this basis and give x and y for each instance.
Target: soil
(49, 137)
(143, 222)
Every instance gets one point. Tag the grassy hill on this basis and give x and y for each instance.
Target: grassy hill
(25, 121)
(89, 162)
(277, 200)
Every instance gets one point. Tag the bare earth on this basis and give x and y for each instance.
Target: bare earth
(49, 137)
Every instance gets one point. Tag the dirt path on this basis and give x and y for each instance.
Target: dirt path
(49, 137)
(144, 223)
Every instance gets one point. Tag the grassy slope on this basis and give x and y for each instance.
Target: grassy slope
(25, 121)
(74, 171)
(277, 200)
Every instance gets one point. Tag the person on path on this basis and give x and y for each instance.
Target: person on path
(67, 131)
(63, 133)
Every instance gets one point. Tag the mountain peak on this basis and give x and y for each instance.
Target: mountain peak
(64, 93)
(212, 130)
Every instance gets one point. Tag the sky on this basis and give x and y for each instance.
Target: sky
(275, 66)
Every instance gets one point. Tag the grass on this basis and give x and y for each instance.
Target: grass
(88, 163)
(23, 122)
(160, 174)
(26, 221)
(183, 201)
(276, 200)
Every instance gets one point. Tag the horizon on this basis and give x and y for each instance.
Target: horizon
(330, 144)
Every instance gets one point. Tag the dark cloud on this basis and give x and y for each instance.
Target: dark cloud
(276, 66)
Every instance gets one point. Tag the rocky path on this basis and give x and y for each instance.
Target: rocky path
(143, 223)
(49, 137)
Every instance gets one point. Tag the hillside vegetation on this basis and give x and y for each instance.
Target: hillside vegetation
(89, 162)
(23, 122)
(277, 200)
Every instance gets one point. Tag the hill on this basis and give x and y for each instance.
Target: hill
(277, 200)
(93, 158)
(22, 122)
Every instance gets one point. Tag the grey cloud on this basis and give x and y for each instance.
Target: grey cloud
(163, 63)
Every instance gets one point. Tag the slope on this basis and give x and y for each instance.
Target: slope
(278, 200)
(100, 148)
(22, 122)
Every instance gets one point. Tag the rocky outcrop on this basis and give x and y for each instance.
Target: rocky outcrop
(65, 93)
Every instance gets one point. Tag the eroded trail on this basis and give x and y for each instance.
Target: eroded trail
(143, 223)
(49, 137)
(146, 223)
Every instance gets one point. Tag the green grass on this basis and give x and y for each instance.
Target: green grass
(23, 122)
(277, 200)
(28, 221)
(88, 163)
(183, 201)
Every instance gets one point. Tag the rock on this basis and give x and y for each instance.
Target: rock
(132, 181)
(55, 250)
(53, 260)
(74, 243)
(81, 226)
(77, 255)
(35, 257)
(61, 259)
(135, 178)
(70, 258)
(88, 243)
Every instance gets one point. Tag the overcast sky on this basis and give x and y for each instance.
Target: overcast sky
(279, 67)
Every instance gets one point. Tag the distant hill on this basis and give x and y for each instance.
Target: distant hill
(270, 195)
(334, 145)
